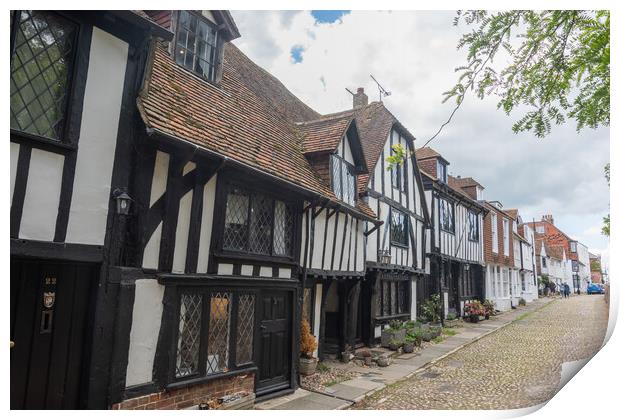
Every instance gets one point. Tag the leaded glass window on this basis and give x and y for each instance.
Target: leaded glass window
(394, 296)
(446, 215)
(283, 229)
(245, 329)
(188, 343)
(196, 45)
(41, 66)
(219, 330)
(258, 224)
(343, 180)
(261, 223)
(472, 218)
(398, 228)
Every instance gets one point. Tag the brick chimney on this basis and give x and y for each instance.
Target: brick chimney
(360, 98)
(547, 218)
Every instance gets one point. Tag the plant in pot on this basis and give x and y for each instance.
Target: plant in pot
(394, 345)
(435, 331)
(521, 302)
(451, 320)
(308, 344)
(410, 343)
(489, 308)
(431, 309)
(474, 310)
(395, 332)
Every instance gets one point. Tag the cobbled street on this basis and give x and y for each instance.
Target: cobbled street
(515, 367)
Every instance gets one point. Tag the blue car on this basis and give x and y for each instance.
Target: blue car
(595, 289)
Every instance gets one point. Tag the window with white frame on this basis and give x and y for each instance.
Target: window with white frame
(540, 229)
(442, 173)
(494, 232)
(573, 246)
(196, 44)
(506, 237)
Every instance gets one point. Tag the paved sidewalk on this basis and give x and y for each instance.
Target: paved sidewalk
(372, 379)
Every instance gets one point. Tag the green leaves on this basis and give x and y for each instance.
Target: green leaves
(558, 65)
(397, 157)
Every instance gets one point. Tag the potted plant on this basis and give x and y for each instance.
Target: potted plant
(521, 302)
(394, 345)
(489, 308)
(435, 331)
(451, 320)
(395, 332)
(431, 309)
(474, 310)
(409, 344)
(308, 344)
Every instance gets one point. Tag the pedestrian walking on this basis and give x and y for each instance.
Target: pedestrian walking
(566, 290)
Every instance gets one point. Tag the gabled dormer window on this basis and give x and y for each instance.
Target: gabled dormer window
(442, 173)
(344, 184)
(196, 44)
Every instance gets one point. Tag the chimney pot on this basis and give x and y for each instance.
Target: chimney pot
(360, 98)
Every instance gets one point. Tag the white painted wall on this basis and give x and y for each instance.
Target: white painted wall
(182, 233)
(146, 321)
(98, 134)
(206, 225)
(42, 196)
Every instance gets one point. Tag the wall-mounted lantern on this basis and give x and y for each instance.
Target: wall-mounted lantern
(123, 202)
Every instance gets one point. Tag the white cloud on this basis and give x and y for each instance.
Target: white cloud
(413, 55)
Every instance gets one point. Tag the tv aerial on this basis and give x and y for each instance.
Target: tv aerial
(382, 91)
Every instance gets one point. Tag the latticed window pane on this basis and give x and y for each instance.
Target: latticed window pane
(236, 223)
(398, 227)
(336, 176)
(245, 329)
(282, 229)
(40, 73)
(188, 343)
(219, 330)
(261, 223)
(349, 180)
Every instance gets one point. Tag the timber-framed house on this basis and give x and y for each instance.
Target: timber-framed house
(457, 240)
(230, 208)
(74, 83)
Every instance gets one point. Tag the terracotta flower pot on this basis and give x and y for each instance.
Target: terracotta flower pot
(307, 366)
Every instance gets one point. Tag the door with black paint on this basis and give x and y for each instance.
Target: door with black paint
(49, 319)
(274, 362)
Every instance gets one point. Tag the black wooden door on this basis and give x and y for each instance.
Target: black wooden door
(274, 361)
(49, 317)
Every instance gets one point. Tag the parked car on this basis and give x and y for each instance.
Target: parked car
(595, 289)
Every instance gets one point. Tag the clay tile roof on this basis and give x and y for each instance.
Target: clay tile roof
(324, 134)
(512, 213)
(426, 153)
(467, 182)
(556, 252)
(249, 118)
(374, 123)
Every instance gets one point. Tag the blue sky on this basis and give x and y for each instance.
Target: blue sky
(413, 54)
(328, 16)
